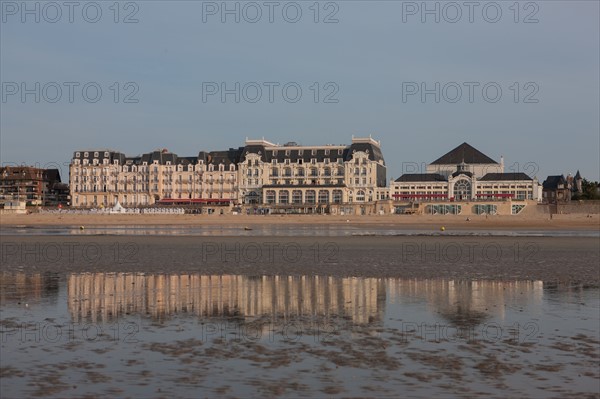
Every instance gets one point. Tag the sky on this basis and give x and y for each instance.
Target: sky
(518, 80)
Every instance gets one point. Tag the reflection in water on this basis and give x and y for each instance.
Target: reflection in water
(466, 303)
(105, 296)
(18, 287)
(361, 300)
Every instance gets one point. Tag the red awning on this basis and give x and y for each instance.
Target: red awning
(419, 195)
(502, 195)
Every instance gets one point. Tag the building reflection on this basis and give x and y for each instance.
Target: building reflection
(466, 303)
(22, 287)
(101, 296)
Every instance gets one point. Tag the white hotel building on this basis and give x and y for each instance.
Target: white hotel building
(283, 178)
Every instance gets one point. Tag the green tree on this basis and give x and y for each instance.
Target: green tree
(590, 191)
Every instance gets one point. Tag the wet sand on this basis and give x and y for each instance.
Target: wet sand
(566, 259)
(537, 221)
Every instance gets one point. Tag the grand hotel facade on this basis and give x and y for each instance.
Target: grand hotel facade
(290, 178)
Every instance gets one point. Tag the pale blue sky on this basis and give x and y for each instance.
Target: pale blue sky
(368, 54)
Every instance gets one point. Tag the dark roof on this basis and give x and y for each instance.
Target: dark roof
(577, 175)
(552, 182)
(505, 176)
(463, 152)
(333, 153)
(295, 154)
(462, 172)
(419, 177)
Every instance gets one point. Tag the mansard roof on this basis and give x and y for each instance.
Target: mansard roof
(552, 182)
(505, 176)
(463, 153)
(306, 153)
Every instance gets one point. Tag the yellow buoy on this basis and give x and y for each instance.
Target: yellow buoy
(442, 228)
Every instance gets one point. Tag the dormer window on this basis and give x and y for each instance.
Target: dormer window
(77, 155)
(340, 151)
(313, 152)
(106, 154)
(274, 153)
(168, 162)
(86, 154)
(96, 154)
(326, 152)
(300, 152)
(287, 153)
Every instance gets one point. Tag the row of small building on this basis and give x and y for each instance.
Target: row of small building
(288, 178)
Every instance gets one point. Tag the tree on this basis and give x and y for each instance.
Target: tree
(590, 191)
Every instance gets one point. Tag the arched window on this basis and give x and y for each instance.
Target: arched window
(340, 171)
(270, 196)
(310, 196)
(462, 189)
(275, 172)
(314, 172)
(296, 197)
(323, 197)
(327, 172)
(287, 172)
(300, 172)
(337, 196)
(284, 197)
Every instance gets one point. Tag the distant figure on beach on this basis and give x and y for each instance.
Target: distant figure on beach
(468, 219)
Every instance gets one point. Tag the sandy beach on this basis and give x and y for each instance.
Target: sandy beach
(538, 222)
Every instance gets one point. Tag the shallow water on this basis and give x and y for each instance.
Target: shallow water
(190, 335)
(282, 230)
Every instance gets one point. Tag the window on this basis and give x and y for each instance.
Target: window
(274, 153)
(275, 172)
(296, 197)
(284, 197)
(337, 196)
(270, 196)
(313, 172)
(360, 196)
(300, 152)
(96, 154)
(313, 152)
(300, 172)
(340, 152)
(323, 196)
(326, 152)
(462, 189)
(86, 154)
(310, 196)
(287, 153)
(106, 153)
(78, 155)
